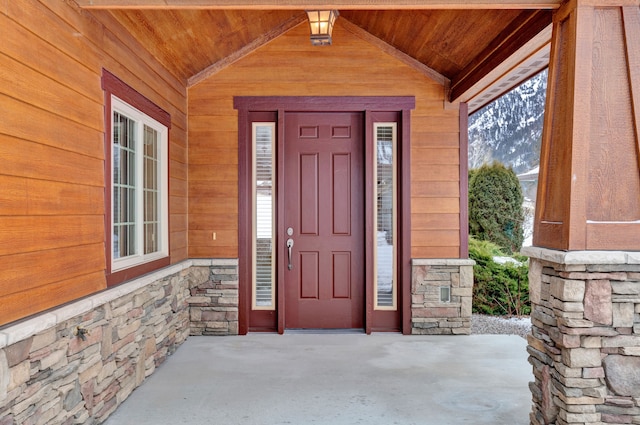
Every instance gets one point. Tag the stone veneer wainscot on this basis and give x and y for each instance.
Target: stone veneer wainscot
(49, 375)
(585, 340)
(430, 316)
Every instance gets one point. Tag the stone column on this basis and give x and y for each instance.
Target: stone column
(585, 340)
(213, 303)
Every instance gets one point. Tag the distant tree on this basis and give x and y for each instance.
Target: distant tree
(472, 174)
(495, 206)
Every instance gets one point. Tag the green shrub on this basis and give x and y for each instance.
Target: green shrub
(495, 206)
(499, 289)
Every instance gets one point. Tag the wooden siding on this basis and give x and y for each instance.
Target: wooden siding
(290, 66)
(52, 150)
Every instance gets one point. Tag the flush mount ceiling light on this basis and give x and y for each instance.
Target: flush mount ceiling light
(321, 24)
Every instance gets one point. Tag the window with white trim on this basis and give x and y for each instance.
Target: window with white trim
(139, 190)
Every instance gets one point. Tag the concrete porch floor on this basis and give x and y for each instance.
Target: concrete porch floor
(390, 379)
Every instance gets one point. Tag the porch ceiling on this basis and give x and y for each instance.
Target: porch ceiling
(488, 46)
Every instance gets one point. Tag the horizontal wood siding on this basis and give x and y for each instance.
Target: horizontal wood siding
(290, 66)
(52, 241)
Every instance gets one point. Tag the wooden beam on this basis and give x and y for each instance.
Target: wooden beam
(392, 51)
(631, 22)
(244, 51)
(525, 27)
(320, 4)
(589, 164)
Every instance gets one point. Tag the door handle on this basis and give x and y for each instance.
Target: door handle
(289, 246)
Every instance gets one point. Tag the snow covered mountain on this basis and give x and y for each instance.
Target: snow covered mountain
(509, 130)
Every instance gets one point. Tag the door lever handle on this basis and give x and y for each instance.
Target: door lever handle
(289, 246)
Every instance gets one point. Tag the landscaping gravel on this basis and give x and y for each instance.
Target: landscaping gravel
(482, 324)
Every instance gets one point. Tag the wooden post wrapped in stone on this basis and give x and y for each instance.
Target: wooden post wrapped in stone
(585, 269)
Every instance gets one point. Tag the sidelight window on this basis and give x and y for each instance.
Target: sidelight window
(263, 216)
(385, 285)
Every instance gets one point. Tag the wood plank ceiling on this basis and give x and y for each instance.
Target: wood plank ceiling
(188, 41)
(463, 45)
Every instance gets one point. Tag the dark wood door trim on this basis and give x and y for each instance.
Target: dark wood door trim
(404, 220)
(369, 238)
(324, 103)
(464, 181)
(280, 294)
(277, 105)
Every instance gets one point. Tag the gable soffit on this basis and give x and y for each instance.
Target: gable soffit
(466, 45)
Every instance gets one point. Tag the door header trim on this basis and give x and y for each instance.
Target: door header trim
(324, 103)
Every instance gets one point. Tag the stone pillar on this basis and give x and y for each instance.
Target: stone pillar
(585, 339)
(430, 315)
(213, 304)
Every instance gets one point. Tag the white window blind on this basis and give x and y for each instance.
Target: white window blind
(385, 216)
(263, 216)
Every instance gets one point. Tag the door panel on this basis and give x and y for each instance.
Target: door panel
(308, 207)
(341, 275)
(324, 205)
(309, 273)
(341, 167)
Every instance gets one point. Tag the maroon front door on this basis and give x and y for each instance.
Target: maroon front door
(323, 220)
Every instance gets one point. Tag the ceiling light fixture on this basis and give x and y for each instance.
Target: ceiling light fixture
(321, 24)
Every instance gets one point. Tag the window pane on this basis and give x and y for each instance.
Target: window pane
(263, 215)
(150, 242)
(151, 194)
(116, 229)
(150, 142)
(124, 174)
(385, 220)
(131, 239)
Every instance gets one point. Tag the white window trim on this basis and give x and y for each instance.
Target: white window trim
(117, 105)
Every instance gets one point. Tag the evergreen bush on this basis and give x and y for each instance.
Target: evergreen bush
(495, 206)
(498, 289)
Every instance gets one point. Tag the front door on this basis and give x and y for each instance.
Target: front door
(324, 220)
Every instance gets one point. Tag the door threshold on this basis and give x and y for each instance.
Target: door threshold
(323, 331)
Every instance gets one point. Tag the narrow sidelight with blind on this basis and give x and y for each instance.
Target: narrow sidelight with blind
(263, 216)
(385, 285)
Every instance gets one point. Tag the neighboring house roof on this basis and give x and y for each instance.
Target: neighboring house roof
(531, 175)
